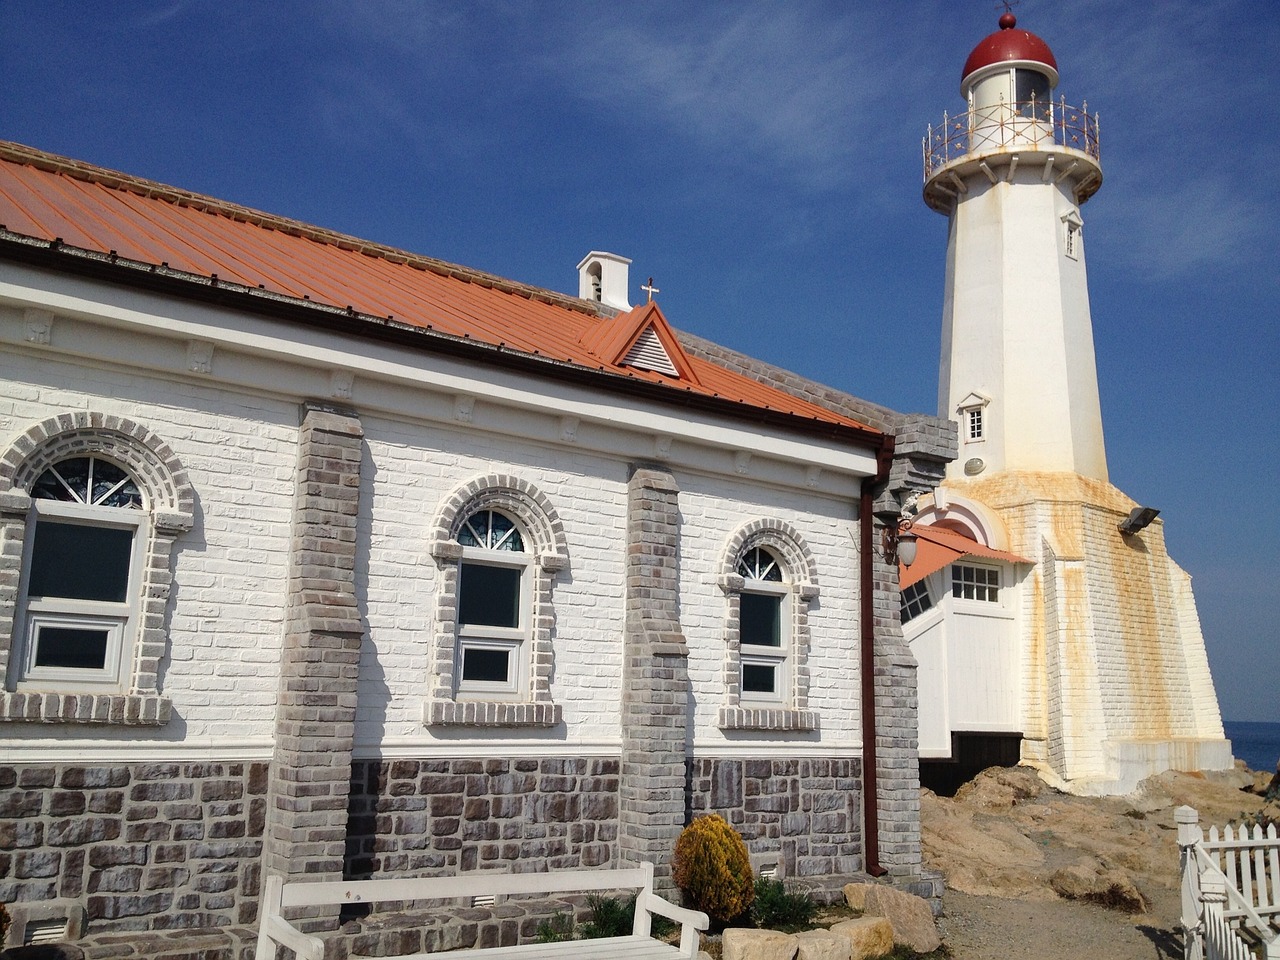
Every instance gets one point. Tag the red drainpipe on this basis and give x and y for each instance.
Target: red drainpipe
(870, 804)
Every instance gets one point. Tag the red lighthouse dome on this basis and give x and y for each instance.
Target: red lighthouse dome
(1010, 45)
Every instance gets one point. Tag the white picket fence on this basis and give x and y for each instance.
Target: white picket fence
(1230, 890)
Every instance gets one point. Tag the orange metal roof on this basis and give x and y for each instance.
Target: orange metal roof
(936, 547)
(85, 208)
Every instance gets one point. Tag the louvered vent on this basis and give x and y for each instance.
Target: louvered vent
(647, 353)
(484, 900)
(45, 931)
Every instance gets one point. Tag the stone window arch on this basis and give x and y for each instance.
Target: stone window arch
(47, 501)
(497, 533)
(769, 579)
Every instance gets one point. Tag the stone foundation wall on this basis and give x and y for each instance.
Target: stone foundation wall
(416, 817)
(153, 846)
(806, 813)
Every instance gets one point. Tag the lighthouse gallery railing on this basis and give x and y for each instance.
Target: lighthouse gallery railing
(1033, 123)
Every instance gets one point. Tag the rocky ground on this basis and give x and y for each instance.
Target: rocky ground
(1023, 861)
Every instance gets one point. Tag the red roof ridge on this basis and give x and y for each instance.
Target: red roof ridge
(152, 189)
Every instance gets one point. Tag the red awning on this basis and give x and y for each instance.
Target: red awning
(936, 547)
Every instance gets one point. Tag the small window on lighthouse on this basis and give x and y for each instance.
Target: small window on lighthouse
(1073, 241)
(973, 424)
(1071, 224)
(973, 418)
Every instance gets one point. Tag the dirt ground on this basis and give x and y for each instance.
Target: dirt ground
(1010, 847)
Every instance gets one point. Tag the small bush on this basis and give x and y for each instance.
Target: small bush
(775, 908)
(4, 914)
(557, 929)
(610, 917)
(712, 867)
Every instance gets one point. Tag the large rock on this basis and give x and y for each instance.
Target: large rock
(1096, 882)
(867, 936)
(746, 943)
(911, 917)
(855, 895)
(822, 945)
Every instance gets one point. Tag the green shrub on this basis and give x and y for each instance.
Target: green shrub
(713, 869)
(775, 908)
(610, 917)
(4, 924)
(557, 929)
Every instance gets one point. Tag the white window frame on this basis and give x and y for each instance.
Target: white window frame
(119, 618)
(972, 411)
(515, 640)
(976, 601)
(786, 711)
(778, 657)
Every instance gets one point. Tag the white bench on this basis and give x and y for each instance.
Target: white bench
(279, 895)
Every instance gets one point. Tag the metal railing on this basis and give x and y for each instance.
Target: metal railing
(1031, 123)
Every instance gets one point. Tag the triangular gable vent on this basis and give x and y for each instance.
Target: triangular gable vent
(648, 353)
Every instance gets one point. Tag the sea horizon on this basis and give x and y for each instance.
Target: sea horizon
(1256, 742)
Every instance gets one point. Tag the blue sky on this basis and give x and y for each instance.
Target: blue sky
(762, 161)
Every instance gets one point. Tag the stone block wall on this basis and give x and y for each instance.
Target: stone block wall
(416, 817)
(806, 812)
(149, 846)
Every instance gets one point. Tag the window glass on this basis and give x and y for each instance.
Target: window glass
(915, 601)
(484, 665)
(77, 648)
(759, 678)
(759, 564)
(975, 583)
(88, 480)
(489, 596)
(492, 531)
(761, 619)
(80, 562)
(1030, 85)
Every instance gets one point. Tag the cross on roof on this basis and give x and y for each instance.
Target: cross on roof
(650, 289)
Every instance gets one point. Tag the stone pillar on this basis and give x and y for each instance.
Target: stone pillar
(655, 679)
(897, 756)
(316, 705)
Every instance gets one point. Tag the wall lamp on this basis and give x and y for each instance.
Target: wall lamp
(1138, 518)
(898, 543)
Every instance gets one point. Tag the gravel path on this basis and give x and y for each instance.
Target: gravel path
(991, 928)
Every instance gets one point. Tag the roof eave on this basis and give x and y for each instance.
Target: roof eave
(110, 268)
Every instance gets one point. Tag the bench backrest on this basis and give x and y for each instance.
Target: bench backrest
(476, 883)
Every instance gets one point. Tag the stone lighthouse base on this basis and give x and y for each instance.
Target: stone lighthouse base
(1116, 682)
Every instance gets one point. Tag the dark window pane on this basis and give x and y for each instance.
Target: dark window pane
(489, 596)
(80, 562)
(79, 648)
(761, 622)
(485, 665)
(758, 678)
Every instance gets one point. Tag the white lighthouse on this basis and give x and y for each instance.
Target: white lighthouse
(1048, 621)
(1011, 172)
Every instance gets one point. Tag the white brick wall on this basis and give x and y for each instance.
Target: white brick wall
(239, 452)
(712, 511)
(415, 468)
(230, 570)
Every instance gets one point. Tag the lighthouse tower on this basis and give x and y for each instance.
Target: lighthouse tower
(1049, 624)
(1011, 172)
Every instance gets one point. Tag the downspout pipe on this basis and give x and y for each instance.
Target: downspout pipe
(867, 671)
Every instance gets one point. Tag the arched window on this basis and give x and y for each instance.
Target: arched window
(763, 627)
(91, 506)
(493, 606)
(498, 544)
(769, 583)
(80, 582)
